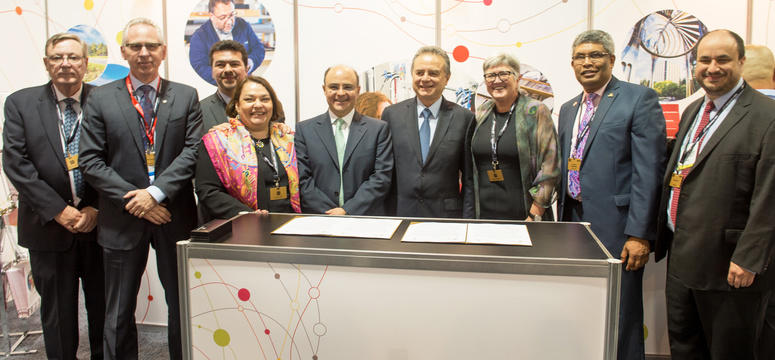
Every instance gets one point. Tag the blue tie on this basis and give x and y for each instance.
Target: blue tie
(72, 148)
(146, 104)
(425, 133)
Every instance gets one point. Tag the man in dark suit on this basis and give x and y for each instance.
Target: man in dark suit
(716, 218)
(228, 59)
(345, 159)
(612, 143)
(138, 150)
(223, 25)
(429, 141)
(57, 209)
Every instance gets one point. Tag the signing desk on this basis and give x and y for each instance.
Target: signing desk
(250, 294)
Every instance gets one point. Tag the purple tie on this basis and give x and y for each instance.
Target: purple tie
(574, 186)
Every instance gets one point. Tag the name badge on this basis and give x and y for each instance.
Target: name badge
(71, 162)
(150, 158)
(574, 164)
(278, 193)
(676, 180)
(495, 175)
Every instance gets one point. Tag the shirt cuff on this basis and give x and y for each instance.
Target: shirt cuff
(157, 194)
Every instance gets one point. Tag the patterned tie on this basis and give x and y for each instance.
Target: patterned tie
(425, 133)
(574, 185)
(677, 190)
(146, 103)
(340, 145)
(72, 148)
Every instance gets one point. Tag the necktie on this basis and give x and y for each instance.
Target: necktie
(340, 145)
(425, 133)
(574, 185)
(70, 118)
(146, 104)
(677, 190)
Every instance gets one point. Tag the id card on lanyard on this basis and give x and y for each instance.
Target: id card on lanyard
(150, 129)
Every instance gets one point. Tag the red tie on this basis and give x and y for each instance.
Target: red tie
(677, 190)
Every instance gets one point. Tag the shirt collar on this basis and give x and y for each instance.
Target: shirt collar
(721, 100)
(136, 83)
(226, 98)
(434, 108)
(223, 33)
(61, 97)
(347, 118)
(599, 92)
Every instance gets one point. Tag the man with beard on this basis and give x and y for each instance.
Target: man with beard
(228, 59)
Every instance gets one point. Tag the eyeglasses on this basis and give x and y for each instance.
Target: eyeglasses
(139, 46)
(595, 57)
(502, 75)
(58, 59)
(225, 17)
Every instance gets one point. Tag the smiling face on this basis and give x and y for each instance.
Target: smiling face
(341, 89)
(144, 50)
(429, 77)
(228, 70)
(719, 65)
(503, 88)
(591, 72)
(63, 70)
(255, 107)
(223, 17)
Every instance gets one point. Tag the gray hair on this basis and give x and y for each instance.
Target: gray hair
(138, 21)
(434, 50)
(596, 37)
(502, 59)
(57, 38)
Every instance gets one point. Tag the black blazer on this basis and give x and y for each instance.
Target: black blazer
(34, 161)
(431, 189)
(213, 112)
(113, 159)
(368, 165)
(725, 210)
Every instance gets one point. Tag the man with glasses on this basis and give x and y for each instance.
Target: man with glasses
(429, 135)
(223, 25)
(57, 209)
(612, 143)
(138, 150)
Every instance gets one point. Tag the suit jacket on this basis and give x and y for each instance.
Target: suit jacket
(368, 165)
(725, 209)
(430, 189)
(113, 159)
(205, 36)
(213, 111)
(34, 161)
(622, 163)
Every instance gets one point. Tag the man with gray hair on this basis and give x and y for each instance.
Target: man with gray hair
(612, 143)
(429, 135)
(138, 149)
(759, 69)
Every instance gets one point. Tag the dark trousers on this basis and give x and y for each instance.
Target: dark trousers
(630, 345)
(56, 275)
(123, 273)
(713, 324)
(767, 344)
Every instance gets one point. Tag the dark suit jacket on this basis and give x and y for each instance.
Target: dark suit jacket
(725, 210)
(368, 165)
(431, 189)
(34, 161)
(622, 164)
(213, 111)
(113, 160)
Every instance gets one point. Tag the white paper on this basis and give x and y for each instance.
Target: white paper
(500, 234)
(339, 227)
(435, 232)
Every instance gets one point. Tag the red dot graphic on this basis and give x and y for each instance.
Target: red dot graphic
(150, 297)
(266, 331)
(243, 294)
(18, 10)
(460, 53)
(487, 2)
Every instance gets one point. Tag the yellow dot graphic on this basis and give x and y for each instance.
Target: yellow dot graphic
(645, 332)
(198, 275)
(88, 4)
(119, 37)
(518, 44)
(221, 337)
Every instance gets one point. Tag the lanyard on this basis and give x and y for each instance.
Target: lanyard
(69, 138)
(688, 149)
(149, 132)
(493, 139)
(273, 163)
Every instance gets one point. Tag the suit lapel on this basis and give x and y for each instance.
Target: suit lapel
(567, 128)
(442, 125)
(326, 135)
(736, 113)
(609, 96)
(357, 130)
(686, 123)
(131, 117)
(49, 118)
(410, 122)
(163, 116)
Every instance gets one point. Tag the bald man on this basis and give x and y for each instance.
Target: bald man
(759, 69)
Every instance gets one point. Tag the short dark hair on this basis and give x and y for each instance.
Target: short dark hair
(211, 4)
(229, 45)
(357, 78)
(278, 114)
(738, 41)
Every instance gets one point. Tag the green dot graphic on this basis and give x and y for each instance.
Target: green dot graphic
(221, 337)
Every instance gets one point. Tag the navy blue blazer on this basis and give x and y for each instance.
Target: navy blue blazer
(622, 165)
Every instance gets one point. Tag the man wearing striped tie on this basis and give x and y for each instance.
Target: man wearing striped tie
(345, 158)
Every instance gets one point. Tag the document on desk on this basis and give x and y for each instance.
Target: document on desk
(435, 232)
(499, 234)
(339, 227)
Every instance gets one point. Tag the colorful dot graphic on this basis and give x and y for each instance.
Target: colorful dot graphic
(221, 337)
(460, 53)
(243, 294)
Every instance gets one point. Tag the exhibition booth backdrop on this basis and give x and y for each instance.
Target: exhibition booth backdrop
(301, 38)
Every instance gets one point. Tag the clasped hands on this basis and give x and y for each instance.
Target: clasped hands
(77, 221)
(144, 206)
